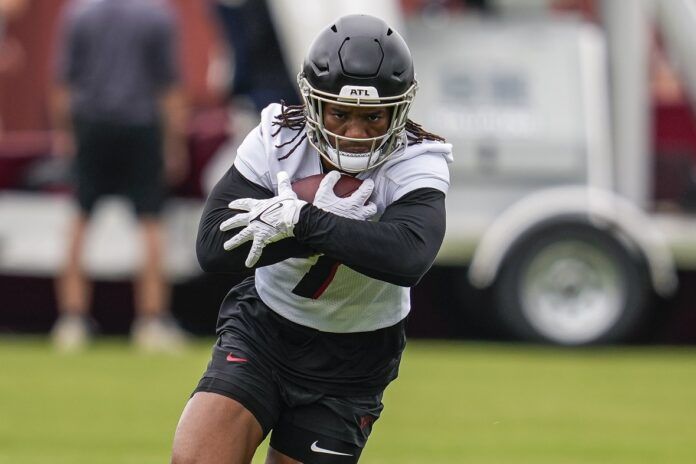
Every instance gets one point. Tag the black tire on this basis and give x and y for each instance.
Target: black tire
(572, 284)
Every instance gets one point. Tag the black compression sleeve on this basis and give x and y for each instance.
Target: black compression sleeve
(398, 249)
(211, 255)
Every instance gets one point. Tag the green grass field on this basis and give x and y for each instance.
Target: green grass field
(453, 403)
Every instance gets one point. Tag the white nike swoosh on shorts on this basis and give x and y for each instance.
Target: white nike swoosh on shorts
(316, 449)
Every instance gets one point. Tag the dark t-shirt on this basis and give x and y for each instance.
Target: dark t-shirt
(117, 56)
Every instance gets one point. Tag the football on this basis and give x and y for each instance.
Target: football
(306, 187)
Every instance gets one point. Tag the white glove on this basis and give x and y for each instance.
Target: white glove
(266, 222)
(352, 207)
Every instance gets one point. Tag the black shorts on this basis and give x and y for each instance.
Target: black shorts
(319, 392)
(123, 160)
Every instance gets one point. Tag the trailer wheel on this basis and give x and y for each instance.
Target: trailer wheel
(571, 284)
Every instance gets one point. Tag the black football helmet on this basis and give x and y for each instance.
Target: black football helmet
(357, 61)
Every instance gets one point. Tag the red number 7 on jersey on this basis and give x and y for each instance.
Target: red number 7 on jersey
(317, 279)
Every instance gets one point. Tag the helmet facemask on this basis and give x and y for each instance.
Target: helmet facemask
(328, 144)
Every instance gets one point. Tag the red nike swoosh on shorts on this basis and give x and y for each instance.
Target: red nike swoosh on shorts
(233, 359)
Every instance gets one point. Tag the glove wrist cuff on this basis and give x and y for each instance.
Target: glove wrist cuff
(296, 216)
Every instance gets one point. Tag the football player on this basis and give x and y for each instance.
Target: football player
(308, 344)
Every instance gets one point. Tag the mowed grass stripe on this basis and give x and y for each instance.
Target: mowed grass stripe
(453, 403)
(109, 404)
(521, 404)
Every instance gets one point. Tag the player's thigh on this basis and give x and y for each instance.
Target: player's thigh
(290, 445)
(332, 430)
(276, 457)
(235, 404)
(215, 429)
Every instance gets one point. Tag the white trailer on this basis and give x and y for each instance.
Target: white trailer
(548, 205)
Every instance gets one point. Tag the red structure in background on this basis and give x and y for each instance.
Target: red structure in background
(674, 126)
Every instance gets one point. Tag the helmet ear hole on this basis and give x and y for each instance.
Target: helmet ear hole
(320, 69)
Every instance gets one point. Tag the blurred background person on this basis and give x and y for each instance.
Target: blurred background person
(118, 106)
(258, 74)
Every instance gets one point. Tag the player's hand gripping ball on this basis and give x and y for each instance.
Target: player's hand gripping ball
(338, 194)
(306, 188)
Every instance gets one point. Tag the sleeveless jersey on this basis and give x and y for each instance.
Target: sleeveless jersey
(352, 302)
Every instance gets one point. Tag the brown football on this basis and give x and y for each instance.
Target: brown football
(306, 187)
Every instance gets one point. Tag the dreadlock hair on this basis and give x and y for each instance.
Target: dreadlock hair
(416, 134)
(293, 117)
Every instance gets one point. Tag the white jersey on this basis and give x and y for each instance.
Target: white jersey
(352, 302)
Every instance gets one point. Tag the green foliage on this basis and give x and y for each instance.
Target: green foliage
(453, 403)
